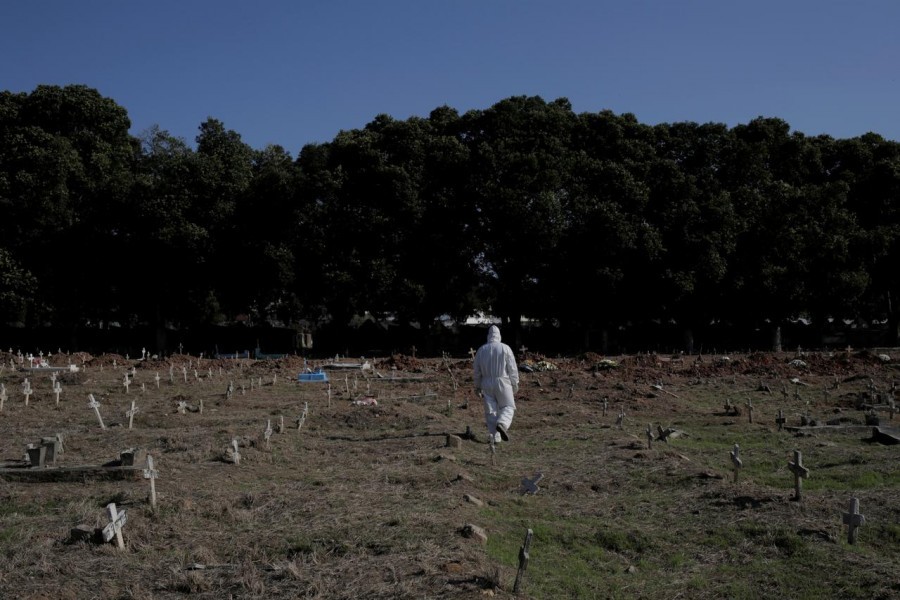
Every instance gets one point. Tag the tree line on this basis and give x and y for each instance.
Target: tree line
(585, 221)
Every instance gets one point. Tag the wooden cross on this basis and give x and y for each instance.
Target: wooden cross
(305, 412)
(96, 406)
(57, 390)
(649, 436)
(780, 420)
(268, 432)
(184, 373)
(126, 382)
(736, 461)
(113, 529)
(620, 420)
(235, 453)
(530, 486)
(472, 353)
(26, 390)
(524, 555)
(800, 472)
(130, 414)
(151, 474)
(329, 396)
(281, 424)
(749, 406)
(853, 520)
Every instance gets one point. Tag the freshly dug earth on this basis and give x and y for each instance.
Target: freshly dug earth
(368, 501)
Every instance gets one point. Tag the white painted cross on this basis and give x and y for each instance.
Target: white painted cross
(96, 406)
(57, 390)
(347, 385)
(113, 529)
(126, 382)
(229, 390)
(620, 420)
(303, 415)
(267, 434)
(281, 424)
(184, 373)
(736, 462)
(2, 395)
(530, 486)
(235, 453)
(151, 474)
(328, 389)
(181, 406)
(800, 472)
(26, 390)
(156, 379)
(130, 414)
(853, 520)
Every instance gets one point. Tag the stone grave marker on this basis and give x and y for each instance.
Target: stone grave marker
(151, 474)
(54, 447)
(130, 414)
(37, 454)
(113, 529)
(346, 385)
(184, 373)
(96, 406)
(736, 462)
(800, 473)
(853, 520)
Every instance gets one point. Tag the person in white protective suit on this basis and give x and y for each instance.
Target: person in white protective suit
(497, 378)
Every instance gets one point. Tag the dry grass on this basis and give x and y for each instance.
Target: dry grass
(367, 502)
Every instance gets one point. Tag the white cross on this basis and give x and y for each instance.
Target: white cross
(113, 529)
(150, 473)
(235, 453)
(302, 418)
(57, 389)
(736, 461)
(268, 432)
(2, 395)
(126, 382)
(130, 414)
(26, 390)
(96, 406)
(156, 379)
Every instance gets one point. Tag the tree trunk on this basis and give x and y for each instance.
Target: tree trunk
(688, 340)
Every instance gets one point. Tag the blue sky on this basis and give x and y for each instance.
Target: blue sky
(291, 72)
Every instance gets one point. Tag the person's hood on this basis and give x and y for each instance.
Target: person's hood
(493, 334)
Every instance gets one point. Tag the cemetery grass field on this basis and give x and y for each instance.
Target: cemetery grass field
(372, 501)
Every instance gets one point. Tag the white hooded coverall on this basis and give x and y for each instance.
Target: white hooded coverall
(497, 378)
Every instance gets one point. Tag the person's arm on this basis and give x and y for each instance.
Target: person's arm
(476, 371)
(512, 370)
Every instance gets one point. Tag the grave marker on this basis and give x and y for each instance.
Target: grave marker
(736, 462)
(113, 529)
(235, 453)
(800, 472)
(649, 436)
(303, 415)
(2, 395)
(780, 420)
(524, 555)
(96, 406)
(151, 474)
(156, 379)
(26, 390)
(749, 406)
(620, 420)
(281, 424)
(267, 434)
(130, 414)
(605, 405)
(126, 382)
(530, 486)
(853, 520)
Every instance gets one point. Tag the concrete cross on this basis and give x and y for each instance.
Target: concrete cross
(151, 474)
(736, 462)
(113, 529)
(800, 472)
(853, 520)
(530, 486)
(130, 414)
(780, 420)
(96, 406)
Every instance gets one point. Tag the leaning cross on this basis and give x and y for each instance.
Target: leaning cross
(530, 486)
(780, 420)
(472, 353)
(113, 529)
(151, 474)
(736, 461)
(800, 472)
(853, 520)
(523, 561)
(96, 406)
(130, 414)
